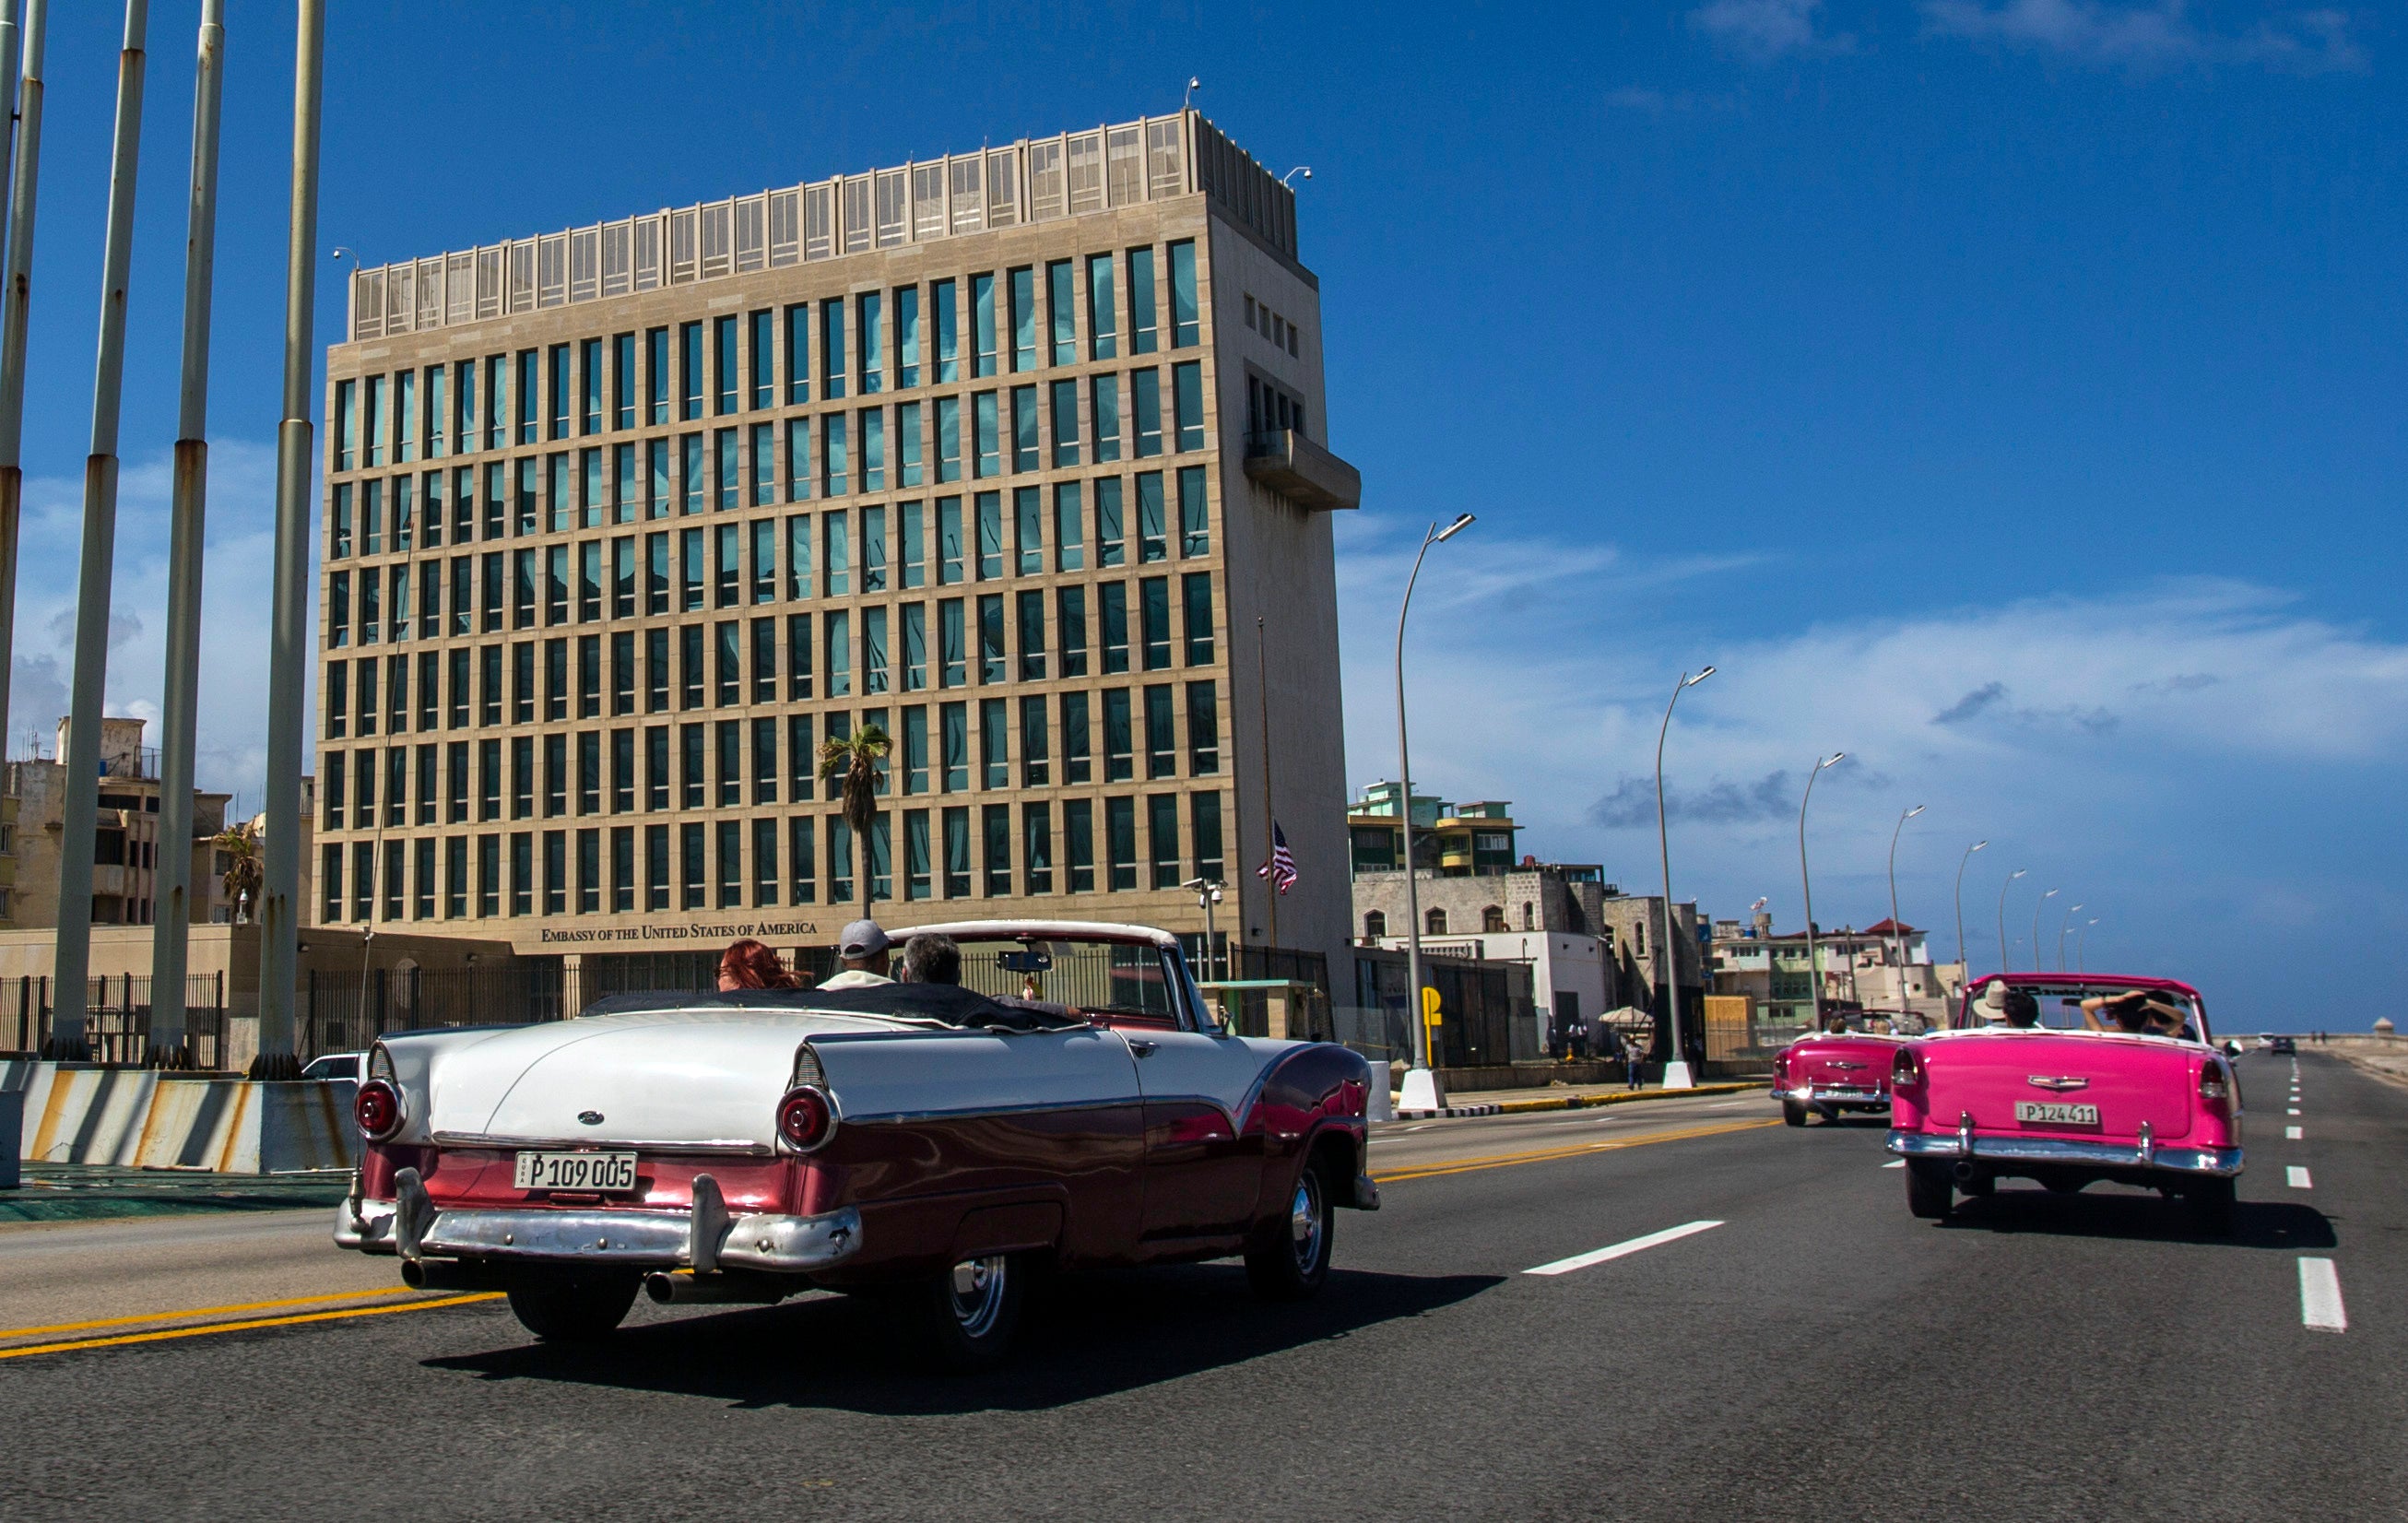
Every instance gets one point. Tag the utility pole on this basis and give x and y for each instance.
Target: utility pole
(80, 821)
(16, 304)
(169, 933)
(288, 675)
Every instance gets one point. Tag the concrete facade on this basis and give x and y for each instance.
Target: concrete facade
(652, 562)
(127, 845)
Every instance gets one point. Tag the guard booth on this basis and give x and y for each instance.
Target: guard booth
(1289, 1010)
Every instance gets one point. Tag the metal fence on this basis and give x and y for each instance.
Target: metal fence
(344, 1012)
(116, 1019)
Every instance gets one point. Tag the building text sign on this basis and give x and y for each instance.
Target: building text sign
(693, 931)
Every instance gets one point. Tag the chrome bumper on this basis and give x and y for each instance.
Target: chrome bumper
(2142, 1155)
(705, 1240)
(1829, 1095)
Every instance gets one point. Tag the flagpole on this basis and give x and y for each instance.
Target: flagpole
(1270, 819)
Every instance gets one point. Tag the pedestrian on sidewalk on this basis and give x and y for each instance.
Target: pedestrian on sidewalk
(1634, 1061)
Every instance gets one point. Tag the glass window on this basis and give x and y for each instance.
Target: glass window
(1103, 329)
(1111, 549)
(871, 312)
(949, 540)
(1143, 317)
(1031, 613)
(911, 545)
(1120, 842)
(404, 416)
(764, 357)
(915, 748)
(1196, 594)
(1028, 529)
(1184, 310)
(375, 414)
(1162, 834)
(907, 444)
(990, 631)
(1112, 614)
(832, 362)
(1154, 621)
(798, 459)
(917, 883)
(946, 318)
(802, 861)
(995, 744)
(1035, 754)
(1145, 403)
(1079, 844)
(1024, 320)
(1077, 759)
(1070, 628)
(347, 425)
(689, 371)
(1120, 741)
(1161, 732)
(764, 464)
(589, 372)
(915, 646)
(834, 457)
(1023, 428)
(987, 431)
(623, 384)
(953, 725)
(990, 535)
(798, 354)
(1187, 403)
(1203, 730)
(656, 379)
(873, 450)
(798, 657)
(907, 375)
(1062, 309)
(656, 488)
(836, 632)
(982, 325)
(1152, 540)
(873, 649)
(1204, 822)
(1194, 522)
(1065, 423)
(994, 821)
(837, 554)
(1104, 396)
(957, 853)
(873, 550)
(339, 536)
(692, 474)
(949, 439)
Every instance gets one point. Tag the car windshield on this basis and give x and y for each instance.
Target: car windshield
(2101, 1007)
(1094, 977)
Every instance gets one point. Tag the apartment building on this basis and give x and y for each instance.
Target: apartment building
(1019, 455)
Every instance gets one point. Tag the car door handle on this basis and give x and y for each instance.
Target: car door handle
(1143, 1049)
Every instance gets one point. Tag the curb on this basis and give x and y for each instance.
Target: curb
(1449, 1112)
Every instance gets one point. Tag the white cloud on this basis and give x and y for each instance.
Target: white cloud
(2156, 36)
(231, 751)
(2181, 757)
(1767, 29)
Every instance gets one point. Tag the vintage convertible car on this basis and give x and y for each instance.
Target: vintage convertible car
(926, 1140)
(1832, 1072)
(2072, 1098)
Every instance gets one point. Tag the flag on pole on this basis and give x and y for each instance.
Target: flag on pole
(1280, 869)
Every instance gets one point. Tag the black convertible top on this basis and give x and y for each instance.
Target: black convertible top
(949, 1003)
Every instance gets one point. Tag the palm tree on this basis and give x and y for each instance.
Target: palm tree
(243, 876)
(854, 758)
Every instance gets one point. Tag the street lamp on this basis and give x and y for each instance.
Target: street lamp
(1208, 894)
(1897, 938)
(2036, 904)
(1964, 968)
(1806, 879)
(2063, 927)
(2081, 936)
(1304, 169)
(1676, 1069)
(1422, 1090)
(2002, 918)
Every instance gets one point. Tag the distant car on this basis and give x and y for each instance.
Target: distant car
(2282, 1044)
(1828, 1072)
(930, 1141)
(351, 1066)
(2066, 1104)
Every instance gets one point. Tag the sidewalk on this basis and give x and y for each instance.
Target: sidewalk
(1577, 1097)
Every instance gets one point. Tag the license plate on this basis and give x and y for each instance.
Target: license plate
(575, 1171)
(2051, 1112)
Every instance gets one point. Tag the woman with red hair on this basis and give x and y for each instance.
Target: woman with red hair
(749, 964)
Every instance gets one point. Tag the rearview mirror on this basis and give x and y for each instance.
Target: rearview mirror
(1024, 961)
(2232, 1049)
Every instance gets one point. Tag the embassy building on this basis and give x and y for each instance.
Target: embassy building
(1011, 454)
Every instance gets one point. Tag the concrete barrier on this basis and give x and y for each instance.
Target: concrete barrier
(12, 1124)
(142, 1118)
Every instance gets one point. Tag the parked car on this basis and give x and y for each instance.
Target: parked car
(353, 1066)
(2073, 1099)
(2283, 1045)
(1828, 1072)
(936, 1141)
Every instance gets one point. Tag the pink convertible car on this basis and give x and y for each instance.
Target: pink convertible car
(2068, 1080)
(1828, 1072)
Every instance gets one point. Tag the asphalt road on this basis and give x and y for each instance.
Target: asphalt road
(1818, 1353)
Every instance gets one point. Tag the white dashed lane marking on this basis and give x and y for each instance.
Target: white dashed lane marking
(1581, 1261)
(2295, 1110)
(2292, 1134)
(2297, 1178)
(2320, 1306)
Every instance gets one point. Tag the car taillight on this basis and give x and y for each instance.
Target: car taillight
(1905, 1070)
(2213, 1086)
(806, 1118)
(377, 1110)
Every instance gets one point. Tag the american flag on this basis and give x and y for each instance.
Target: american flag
(1280, 869)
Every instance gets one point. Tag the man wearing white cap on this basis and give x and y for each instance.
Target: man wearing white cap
(862, 946)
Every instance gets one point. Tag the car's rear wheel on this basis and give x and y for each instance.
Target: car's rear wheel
(1930, 1193)
(968, 1314)
(2211, 1203)
(1793, 1113)
(1289, 1258)
(573, 1309)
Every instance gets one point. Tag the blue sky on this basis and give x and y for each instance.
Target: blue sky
(2006, 391)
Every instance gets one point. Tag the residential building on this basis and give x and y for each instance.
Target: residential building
(125, 846)
(1882, 967)
(1019, 455)
(1454, 840)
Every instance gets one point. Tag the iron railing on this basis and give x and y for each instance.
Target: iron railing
(116, 1019)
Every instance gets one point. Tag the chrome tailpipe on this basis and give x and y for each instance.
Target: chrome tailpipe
(727, 1287)
(1964, 1172)
(452, 1275)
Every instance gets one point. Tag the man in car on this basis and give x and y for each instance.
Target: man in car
(931, 959)
(864, 950)
(2136, 1012)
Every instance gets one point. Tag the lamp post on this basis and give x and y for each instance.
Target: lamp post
(2036, 904)
(1422, 1091)
(2067, 925)
(1896, 936)
(1676, 1069)
(1964, 968)
(2080, 937)
(2002, 918)
(1208, 893)
(1806, 880)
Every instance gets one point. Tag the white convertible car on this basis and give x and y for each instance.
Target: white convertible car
(743, 1147)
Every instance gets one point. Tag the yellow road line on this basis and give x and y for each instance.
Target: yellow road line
(242, 1327)
(202, 1311)
(1506, 1161)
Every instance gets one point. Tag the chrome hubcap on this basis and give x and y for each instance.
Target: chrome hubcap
(975, 1288)
(1304, 1221)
